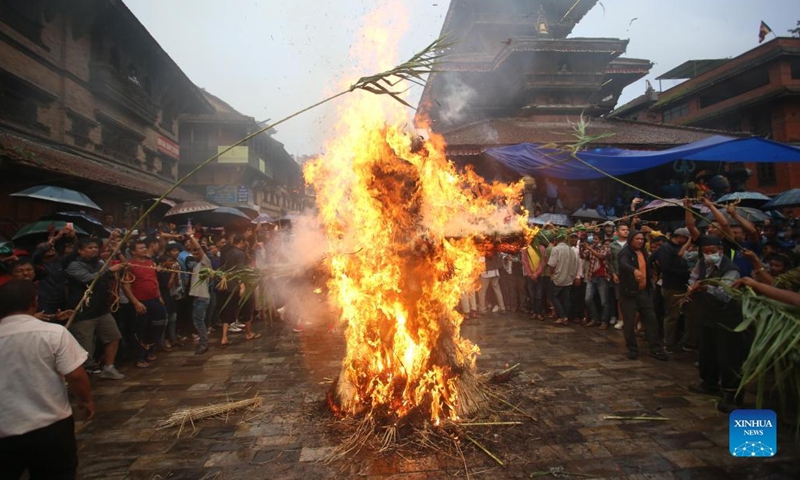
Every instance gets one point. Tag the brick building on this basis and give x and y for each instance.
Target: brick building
(757, 92)
(90, 101)
(259, 176)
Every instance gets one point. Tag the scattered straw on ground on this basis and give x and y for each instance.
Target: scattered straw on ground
(192, 414)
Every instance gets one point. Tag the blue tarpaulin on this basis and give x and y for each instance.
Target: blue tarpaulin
(531, 159)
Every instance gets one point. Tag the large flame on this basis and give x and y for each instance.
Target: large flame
(401, 221)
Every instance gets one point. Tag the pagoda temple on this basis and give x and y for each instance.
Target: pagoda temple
(514, 76)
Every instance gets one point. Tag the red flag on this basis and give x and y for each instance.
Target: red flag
(763, 31)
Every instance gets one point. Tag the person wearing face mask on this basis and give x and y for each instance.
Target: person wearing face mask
(722, 350)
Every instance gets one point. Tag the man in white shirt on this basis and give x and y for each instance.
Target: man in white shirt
(37, 430)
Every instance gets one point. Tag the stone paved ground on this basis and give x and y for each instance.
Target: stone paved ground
(575, 375)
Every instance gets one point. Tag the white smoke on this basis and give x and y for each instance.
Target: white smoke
(457, 96)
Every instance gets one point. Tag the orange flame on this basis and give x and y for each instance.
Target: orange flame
(405, 218)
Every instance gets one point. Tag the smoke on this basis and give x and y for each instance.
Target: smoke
(457, 97)
(488, 134)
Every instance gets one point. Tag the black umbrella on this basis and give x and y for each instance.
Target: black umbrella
(588, 214)
(58, 195)
(221, 216)
(789, 198)
(81, 219)
(745, 199)
(43, 228)
(667, 210)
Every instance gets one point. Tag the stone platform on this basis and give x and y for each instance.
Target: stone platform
(577, 376)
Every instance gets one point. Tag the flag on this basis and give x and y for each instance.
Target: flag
(763, 31)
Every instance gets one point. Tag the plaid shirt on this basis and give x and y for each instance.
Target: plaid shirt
(596, 263)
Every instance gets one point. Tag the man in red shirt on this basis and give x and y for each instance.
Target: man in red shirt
(144, 295)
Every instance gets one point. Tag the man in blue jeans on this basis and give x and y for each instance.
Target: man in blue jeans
(198, 290)
(598, 282)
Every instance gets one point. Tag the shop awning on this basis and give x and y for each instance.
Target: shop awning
(531, 159)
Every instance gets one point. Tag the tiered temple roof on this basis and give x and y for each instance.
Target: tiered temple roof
(513, 59)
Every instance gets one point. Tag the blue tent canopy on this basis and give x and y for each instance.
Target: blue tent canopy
(531, 159)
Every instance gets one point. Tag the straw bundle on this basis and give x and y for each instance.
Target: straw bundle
(183, 415)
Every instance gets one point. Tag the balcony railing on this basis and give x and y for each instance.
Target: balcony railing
(108, 83)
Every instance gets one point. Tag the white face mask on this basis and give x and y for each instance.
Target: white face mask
(712, 259)
(690, 256)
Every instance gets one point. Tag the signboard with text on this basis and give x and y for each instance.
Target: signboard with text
(168, 147)
(221, 193)
(243, 194)
(235, 155)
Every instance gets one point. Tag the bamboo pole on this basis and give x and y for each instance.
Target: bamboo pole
(383, 83)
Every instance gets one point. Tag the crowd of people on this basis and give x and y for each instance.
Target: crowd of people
(156, 285)
(152, 285)
(630, 275)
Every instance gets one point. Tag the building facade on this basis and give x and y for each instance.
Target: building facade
(259, 176)
(756, 93)
(513, 59)
(88, 100)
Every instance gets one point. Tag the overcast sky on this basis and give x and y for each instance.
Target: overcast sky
(268, 58)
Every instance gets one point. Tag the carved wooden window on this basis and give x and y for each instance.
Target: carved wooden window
(119, 143)
(79, 130)
(24, 16)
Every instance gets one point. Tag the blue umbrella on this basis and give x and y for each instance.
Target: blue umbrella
(745, 198)
(555, 218)
(58, 195)
(789, 198)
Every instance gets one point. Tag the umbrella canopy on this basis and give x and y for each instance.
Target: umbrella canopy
(665, 210)
(555, 218)
(588, 214)
(775, 214)
(57, 194)
(190, 207)
(263, 218)
(44, 227)
(789, 198)
(221, 216)
(82, 220)
(752, 215)
(749, 199)
(228, 211)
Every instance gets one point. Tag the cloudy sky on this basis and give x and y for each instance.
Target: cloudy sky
(268, 58)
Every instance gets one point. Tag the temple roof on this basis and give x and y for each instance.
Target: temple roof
(464, 17)
(474, 138)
